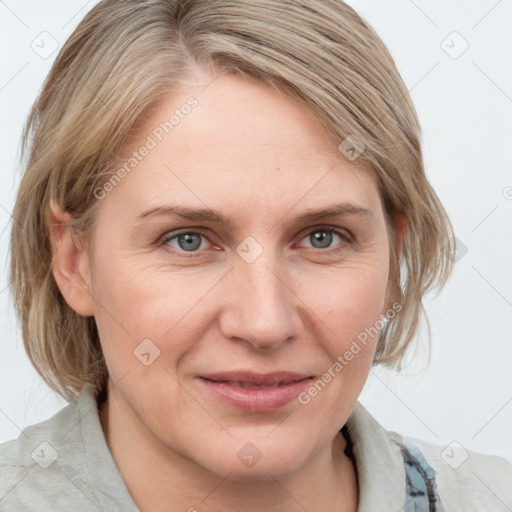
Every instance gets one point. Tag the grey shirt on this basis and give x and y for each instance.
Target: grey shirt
(64, 463)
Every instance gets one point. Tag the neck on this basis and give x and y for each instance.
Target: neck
(194, 488)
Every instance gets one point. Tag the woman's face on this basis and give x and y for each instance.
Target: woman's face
(194, 312)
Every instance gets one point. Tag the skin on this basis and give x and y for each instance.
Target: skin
(261, 158)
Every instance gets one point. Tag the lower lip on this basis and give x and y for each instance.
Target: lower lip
(260, 399)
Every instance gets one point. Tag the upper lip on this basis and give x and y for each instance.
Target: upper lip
(257, 379)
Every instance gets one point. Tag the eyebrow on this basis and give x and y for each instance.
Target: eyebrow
(208, 215)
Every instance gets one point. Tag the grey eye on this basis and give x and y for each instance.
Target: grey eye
(187, 241)
(321, 239)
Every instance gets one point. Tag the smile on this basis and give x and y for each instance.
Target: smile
(255, 392)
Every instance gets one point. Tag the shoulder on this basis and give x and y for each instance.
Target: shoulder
(23, 452)
(464, 479)
(30, 478)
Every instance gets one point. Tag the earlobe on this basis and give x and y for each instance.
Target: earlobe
(70, 263)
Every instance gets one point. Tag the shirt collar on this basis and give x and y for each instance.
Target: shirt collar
(379, 462)
(103, 473)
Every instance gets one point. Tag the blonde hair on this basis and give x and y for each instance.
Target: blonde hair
(126, 56)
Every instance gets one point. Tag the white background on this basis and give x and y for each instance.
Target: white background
(465, 106)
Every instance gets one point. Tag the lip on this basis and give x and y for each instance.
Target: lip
(243, 389)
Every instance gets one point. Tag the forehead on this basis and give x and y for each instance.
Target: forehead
(241, 145)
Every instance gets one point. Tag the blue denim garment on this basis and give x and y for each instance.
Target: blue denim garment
(421, 494)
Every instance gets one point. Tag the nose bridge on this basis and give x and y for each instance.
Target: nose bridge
(261, 306)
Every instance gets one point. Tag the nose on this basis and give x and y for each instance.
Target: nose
(259, 304)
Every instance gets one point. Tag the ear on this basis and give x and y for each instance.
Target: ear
(400, 226)
(70, 263)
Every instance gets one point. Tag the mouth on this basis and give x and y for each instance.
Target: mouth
(248, 385)
(255, 392)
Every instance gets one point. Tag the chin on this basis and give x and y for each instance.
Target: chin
(261, 471)
(261, 460)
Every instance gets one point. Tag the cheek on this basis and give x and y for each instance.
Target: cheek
(136, 302)
(348, 298)
(349, 304)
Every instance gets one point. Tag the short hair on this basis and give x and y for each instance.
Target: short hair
(128, 55)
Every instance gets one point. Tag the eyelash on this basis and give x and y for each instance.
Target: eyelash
(167, 237)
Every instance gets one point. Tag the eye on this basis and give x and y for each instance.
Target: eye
(322, 238)
(186, 241)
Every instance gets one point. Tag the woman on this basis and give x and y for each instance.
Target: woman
(223, 224)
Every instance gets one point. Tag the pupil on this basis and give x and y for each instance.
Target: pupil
(190, 244)
(324, 237)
